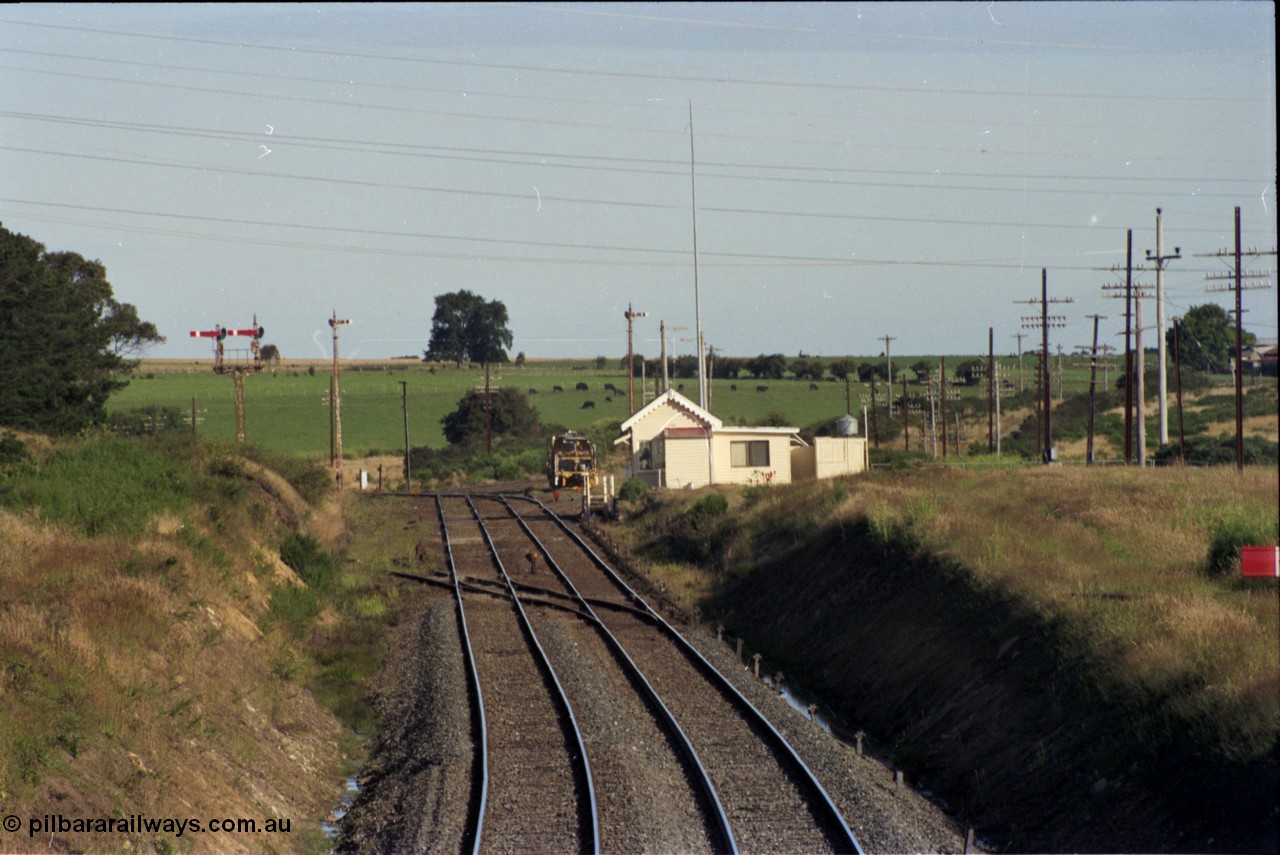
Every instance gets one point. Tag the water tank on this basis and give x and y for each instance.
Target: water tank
(846, 425)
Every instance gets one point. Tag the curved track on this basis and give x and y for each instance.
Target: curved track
(713, 760)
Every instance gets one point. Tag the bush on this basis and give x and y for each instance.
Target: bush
(632, 489)
(1233, 530)
(710, 506)
(312, 564)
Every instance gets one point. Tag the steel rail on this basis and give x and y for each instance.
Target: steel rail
(479, 726)
(850, 842)
(587, 783)
(656, 702)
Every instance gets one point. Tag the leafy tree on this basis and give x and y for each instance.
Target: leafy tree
(808, 368)
(971, 372)
(637, 364)
(513, 416)
(520, 359)
(842, 368)
(728, 366)
(684, 366)
(63, 338)
(466, 327)
(868, 371)
(128, 335)
(769, 367)
(601, 362)
(1207, 340)
(923, 369)
(270, 353)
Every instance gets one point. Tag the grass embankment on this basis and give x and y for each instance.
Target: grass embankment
(1066, 655)
(166, 608)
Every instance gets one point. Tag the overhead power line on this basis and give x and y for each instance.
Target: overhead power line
(635, 75)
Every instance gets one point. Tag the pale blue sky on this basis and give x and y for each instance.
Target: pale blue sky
(862, 169)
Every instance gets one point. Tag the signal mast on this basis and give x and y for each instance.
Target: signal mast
(239, 364)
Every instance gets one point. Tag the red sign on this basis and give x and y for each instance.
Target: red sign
(1260, 562)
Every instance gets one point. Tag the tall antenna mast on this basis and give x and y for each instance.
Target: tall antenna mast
(697, 302)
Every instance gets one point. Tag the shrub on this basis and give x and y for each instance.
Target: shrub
(632, 489)
(1233, 530)
(304, 555)
(709, 506)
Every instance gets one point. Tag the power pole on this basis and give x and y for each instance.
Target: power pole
(991, 386)
(1046, 321)
(942, 400)
(1161, 259)
(666, 383)
(887, 360)
(1135, 365)
(335, 403)
(875, 425)
(1238, 275)
(1177, 373)
(404, 405)
(631, 373)
(488, 412)
(906, 429)
(1093, 384)
(1019, 336)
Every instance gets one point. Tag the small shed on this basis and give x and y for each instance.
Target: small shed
(675, 443)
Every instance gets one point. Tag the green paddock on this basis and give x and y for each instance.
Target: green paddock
(287, 410)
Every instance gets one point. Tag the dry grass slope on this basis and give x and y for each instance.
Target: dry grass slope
(1044, 646)
(136, 678)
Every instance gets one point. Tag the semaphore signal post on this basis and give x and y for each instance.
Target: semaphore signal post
(238, 363)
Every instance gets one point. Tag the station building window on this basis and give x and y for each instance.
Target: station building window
(751, 453)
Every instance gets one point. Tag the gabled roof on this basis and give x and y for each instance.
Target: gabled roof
(672, 398)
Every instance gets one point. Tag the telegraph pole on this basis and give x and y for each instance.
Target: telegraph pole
(1093, 384)
(887, 361)
(1019, 336)
(666, 383)
(335, 403)
(1161, 259)
(991, 385)
(1239, 275)
(942, 400)
(404, 405)
(1177, 373)
(1046, 321)
(631, 374)
(1133, 366)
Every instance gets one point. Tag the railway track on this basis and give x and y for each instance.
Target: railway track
(681, 761)
(535, 791)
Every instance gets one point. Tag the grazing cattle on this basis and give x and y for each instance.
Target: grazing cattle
(762, 388)
(608, 400)
(733, 387)
(557, 388)
(813, 386)
(420, 552)
(680, 388)
(533, 391)
(588, 405)
(582, 387)
(609, 387)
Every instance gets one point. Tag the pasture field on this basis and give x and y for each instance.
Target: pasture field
(287, 409)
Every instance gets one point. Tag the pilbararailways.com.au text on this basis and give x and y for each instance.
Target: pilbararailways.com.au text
(141, 824)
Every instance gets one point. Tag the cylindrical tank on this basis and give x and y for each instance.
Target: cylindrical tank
(846, 425)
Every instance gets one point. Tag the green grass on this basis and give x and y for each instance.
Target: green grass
(288, 410)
